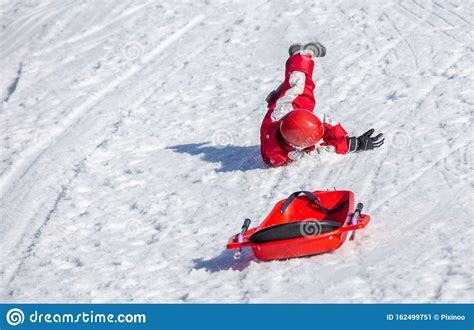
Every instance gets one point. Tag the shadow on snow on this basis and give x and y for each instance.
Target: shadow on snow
(231, 158)
(226, 261)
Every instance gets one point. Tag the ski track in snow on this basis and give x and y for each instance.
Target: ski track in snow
(130, 152)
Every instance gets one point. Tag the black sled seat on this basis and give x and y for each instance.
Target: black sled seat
(303, 228)
(291, 230)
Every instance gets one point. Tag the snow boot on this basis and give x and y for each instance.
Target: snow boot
(295, 48)
(316, 49)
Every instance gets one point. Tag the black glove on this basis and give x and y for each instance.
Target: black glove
(365, 141)
(271, 97)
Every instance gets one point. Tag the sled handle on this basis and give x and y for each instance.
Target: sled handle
(240, 237)
(364, 221)
(310, 195)
(244, 228)
(354, 218)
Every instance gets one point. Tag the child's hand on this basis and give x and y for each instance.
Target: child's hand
(365, 141)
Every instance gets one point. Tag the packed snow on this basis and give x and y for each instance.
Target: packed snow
(129, 149)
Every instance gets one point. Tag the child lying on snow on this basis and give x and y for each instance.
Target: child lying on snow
(290, 129)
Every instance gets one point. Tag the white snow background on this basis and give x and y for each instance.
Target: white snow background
(129, 149)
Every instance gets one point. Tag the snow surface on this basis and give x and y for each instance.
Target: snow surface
(129, 149)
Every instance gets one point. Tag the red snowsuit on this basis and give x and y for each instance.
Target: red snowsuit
(296, 92)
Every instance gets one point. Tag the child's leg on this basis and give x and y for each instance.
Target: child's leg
(296, 91)
(301, 66)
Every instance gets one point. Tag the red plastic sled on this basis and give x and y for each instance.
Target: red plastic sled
(304, 224)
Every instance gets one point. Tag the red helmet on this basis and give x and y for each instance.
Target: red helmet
(301, 129)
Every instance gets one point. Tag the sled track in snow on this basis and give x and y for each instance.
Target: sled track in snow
(96, 30)
(30, 155)
(418, 176)
(9, 272)
(61, 195)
